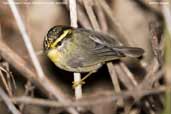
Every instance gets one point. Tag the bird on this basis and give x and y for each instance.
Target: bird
(82, 50)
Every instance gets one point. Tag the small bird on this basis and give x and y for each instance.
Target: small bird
(83, 50)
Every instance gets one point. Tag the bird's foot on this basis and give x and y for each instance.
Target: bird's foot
(77, 83)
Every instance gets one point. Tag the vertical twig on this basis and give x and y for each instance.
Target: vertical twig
(29, 90)
(5, 81)
(8, 102)
(114, 77)
(129, 74)
(82, 18)
(154, 29)
(101, 17)
(26, 39)
(119, 30)
(73, 18)
(73, 13)
(91, 14)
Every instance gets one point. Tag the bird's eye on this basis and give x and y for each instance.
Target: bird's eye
(59, 43)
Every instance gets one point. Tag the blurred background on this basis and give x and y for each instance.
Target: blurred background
(139, 86)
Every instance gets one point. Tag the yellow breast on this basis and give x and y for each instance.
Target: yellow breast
(58, 59)
(54, 55)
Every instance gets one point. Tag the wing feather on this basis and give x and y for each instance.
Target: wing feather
(101, 48)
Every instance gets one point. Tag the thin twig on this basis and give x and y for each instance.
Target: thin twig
(73, 18)
(114, 77)
(129, 74)
(119, 30)
(26, 39)
(98, 99)
(5, 81)
(115, 81)
(91, 14)
(8, 102)
(8, 75)
(123, 78)
(148, 80)
(82, 18)
(101, 17)
(73, 13)
(29, 88)
(154, 29)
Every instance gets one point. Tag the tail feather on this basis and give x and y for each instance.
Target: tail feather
(131, 51)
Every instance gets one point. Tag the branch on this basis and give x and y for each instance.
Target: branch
(26, 39)
(8, 102)
(98, 99)
(73, 18)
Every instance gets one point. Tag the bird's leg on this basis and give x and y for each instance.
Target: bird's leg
(77, 83)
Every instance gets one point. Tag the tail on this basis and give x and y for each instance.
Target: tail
(130, 51)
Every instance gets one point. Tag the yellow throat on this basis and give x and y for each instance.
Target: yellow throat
(54, 55)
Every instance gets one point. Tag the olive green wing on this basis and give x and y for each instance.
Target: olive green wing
(106, 45)
(101, 38)
(100, 48)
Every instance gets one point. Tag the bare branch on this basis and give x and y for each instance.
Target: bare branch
(91, 14)
(26, 39)
(98, 99)
(8, 102)
(73, 19)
